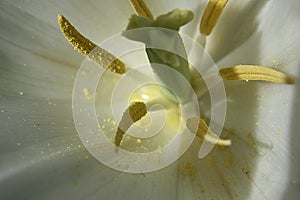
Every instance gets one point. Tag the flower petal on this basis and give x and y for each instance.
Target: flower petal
(261, 113)
(44, 159)
(263, 28)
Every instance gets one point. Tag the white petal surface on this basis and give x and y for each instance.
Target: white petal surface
(43, 156)
(263, 113)
(45, 159)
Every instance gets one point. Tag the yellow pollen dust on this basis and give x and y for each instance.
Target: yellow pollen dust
(141, 8)
(211, 15)
(253, 72)
(199, 126)
(132, 114)
(83, 45)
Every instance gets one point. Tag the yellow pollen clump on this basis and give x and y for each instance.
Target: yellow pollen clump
(211, 15)
(252, 140)
(253, 72)
(83, 45)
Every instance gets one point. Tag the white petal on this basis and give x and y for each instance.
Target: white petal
(95, 19)
(45, 161)
(265, 110)
(44, 157)
(270, 25)
(223, 174)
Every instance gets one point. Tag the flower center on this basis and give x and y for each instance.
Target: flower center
(151, 94)
(150, 117)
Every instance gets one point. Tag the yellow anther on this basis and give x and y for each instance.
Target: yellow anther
(132, 114)
(141, 8)
(83, 45)
(200, 128)
(253, 72)
(211, 15)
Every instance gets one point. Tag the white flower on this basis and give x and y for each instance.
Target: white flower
(42, 156)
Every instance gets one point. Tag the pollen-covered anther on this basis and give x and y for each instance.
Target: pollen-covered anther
(211, 15)
(132, 114)
(201, 129)
(253, 72)
(140, 7)
(83, 45)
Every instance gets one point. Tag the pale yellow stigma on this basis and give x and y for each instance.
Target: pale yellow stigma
(253, 72)
(200, 128)
(132, 114)
(211, 15)
(141, 8)
(83, 45)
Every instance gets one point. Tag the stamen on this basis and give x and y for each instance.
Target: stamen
(211, 15)
(83, 45)
(199, 126)
(132, 114)
(252, 72)
(141, 8)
